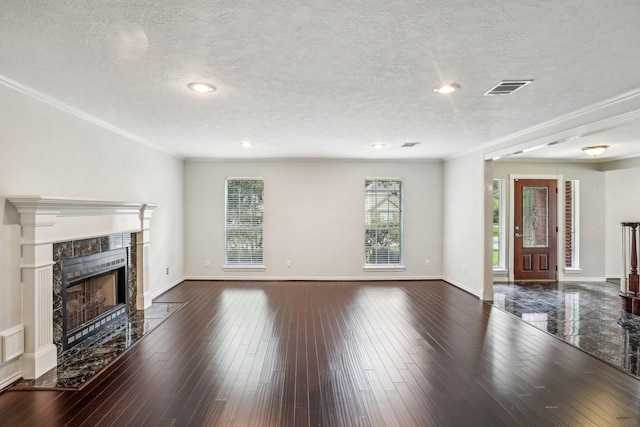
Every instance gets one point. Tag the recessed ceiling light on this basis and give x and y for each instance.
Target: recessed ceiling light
(594, 150)
(378, 146)
(447, 88)
(246, 144)
(201, 87)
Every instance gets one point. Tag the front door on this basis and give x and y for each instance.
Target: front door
(535, 230)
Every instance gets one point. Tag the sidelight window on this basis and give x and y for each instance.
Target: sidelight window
(571, 225)
(498, 229)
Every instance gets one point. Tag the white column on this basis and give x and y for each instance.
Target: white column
(40, 353)
(624, 279)
(143, 243)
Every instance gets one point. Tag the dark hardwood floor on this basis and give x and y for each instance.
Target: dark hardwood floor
(339, 354)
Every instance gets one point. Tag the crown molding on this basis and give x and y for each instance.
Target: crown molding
(569, 124)
(59, 105)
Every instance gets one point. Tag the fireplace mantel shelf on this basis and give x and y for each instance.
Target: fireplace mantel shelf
(63, 206)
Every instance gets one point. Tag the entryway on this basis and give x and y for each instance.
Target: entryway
(535, 230)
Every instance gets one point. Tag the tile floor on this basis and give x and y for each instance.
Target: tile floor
(585, 315)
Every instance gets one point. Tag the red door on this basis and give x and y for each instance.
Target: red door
(535, 230)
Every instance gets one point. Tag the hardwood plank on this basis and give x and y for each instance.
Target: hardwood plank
(341, 354)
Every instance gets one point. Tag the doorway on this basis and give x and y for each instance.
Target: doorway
(535, 230)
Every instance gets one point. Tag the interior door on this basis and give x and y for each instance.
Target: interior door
(535, 230)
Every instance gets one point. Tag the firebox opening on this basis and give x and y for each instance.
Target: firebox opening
(90, 298)
(94, 294)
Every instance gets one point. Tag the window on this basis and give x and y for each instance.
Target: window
(243, 226)
(498, 225)
(571, 224)
(383, 222)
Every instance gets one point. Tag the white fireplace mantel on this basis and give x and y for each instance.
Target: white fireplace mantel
(46, 220)
(70, 206)
(70, 219)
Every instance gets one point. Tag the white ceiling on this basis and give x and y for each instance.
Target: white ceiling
(324, 78)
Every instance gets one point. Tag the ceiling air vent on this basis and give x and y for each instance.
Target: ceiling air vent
(410, 144)
(507, 87)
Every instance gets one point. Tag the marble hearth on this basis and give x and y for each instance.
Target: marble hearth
(45, 223)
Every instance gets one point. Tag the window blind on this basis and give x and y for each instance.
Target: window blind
(383, 222)
(244, 218)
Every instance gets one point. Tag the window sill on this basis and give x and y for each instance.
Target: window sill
(572, 270)
(384, 268)
(244, 268)
(500, 272)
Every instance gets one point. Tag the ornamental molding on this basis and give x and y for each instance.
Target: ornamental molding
(63, 206)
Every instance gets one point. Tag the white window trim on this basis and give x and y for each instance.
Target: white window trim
(245, 267)
(383, 267)
(390, 267)
(239, 267)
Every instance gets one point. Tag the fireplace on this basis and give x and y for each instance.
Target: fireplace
(94, 294)
(45, 222)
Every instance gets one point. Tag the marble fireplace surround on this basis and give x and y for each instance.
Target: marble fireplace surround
(48, 220)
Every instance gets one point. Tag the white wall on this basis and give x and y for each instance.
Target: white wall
(44, 151)
(622, 200)
(314, 216)
(464, 224)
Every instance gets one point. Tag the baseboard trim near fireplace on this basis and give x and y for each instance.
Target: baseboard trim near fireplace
(4, 385)
(167, 288)
(36, 364)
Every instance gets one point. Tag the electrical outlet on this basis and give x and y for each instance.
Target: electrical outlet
(288, 263)
(167, 271)
(427, 263)
(207, 263)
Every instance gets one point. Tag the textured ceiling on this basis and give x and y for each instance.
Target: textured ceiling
(320, 79)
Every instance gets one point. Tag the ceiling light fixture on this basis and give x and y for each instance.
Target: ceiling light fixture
(595, 150)
(447, 88)
(201, 87)
(378, 146)
(246, 144)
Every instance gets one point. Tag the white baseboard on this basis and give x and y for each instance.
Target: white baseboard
(8, 381)
(463, 287)
(156, 294)
(314, 278)
(35, 364)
